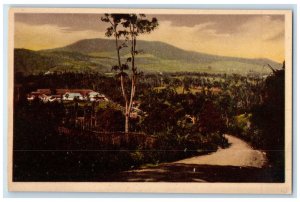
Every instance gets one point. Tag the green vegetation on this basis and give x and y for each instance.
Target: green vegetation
(264, 125)
(99, 55)
(183, 124)
(175, 103)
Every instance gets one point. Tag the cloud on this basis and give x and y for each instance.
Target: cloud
(221, 23)
(37, 37)
(250, 40)
(73, 21)
(255, 36)
(262, 27)
(276, 37)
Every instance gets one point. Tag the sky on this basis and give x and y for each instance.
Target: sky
(247, 36)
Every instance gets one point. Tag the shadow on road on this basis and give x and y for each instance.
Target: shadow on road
(201, 173)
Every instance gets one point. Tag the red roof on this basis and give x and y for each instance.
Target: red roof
(44, 91)
(83, 92)
(61, 91)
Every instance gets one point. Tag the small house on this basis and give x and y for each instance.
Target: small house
(71, 96)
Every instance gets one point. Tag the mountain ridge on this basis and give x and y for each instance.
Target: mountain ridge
(99, 55)
(93, 43)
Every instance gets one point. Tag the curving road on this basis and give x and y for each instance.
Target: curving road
(239, 153)
(237, 163)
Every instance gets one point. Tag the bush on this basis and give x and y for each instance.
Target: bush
(110, 120)
(210, 119)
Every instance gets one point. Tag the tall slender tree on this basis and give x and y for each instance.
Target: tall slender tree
(132, 26)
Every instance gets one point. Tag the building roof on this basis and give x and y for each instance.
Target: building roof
(81, 91)
(61, 91)
(46, 91)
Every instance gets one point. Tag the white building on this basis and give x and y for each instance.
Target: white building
(72, 96)
(94, 96)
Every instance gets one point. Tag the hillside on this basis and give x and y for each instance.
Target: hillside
(99, 55)
(31, 61)
(35, 62)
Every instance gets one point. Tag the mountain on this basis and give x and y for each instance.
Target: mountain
(100, 55)
(31, 61)
(35, 62)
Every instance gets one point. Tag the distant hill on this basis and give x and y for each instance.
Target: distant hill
(35, 62)
(99, 55)
(31, 61)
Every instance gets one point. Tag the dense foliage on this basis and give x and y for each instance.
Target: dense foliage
(263, 126)
(269, 118)
(187, 113)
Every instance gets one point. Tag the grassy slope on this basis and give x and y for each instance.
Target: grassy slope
(99, 55)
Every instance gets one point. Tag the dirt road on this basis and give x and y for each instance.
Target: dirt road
(239, 153)
(237, 163)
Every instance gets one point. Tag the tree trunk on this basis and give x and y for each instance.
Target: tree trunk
(132, 92)
(122, 82)
(126, 123)
(126, 105)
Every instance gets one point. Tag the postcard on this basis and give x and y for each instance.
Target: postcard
(150, 100)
